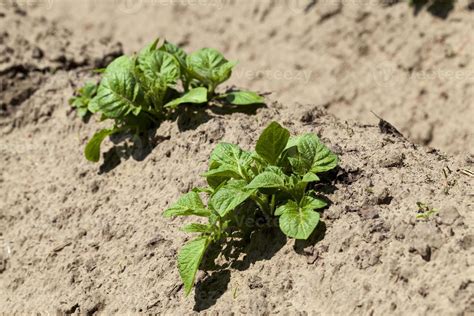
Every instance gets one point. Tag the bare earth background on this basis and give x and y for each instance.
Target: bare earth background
(83, 238)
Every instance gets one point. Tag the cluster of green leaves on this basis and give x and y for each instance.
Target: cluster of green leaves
(271, 182)
(139, 91)
(82, 98)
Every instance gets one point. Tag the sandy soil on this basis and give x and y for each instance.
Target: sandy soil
(351, 57)
(80, 238)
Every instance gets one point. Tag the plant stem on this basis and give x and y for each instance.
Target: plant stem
(272, 205)
(152, 116)
(262, 204)
(211, 89)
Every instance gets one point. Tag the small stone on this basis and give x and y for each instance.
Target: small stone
(255, 282)
(312, 258)
(307, 117)
(94, 187)
(383, 197)
(82, 232)
(467, 242)
(37, 53)
(423, 249)
(333, 214)
(394, 160)
(90, 265)
(369, 213)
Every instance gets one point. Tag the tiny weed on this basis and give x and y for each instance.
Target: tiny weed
(425, 211)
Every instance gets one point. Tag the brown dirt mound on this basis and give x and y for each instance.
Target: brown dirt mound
(83, 238)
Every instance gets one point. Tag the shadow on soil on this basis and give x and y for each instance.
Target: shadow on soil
(240, 254)
(127, 146)
(438, 8)
(261, 243)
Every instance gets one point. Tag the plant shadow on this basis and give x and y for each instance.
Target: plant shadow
(127, 146)
(240, 254)
(318, 235)
(192, 116)
(263, 244)
(209, 290)
(438, 8)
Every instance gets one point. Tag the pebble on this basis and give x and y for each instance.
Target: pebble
(392, 160)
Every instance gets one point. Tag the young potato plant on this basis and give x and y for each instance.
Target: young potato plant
(270, 182)
(138, 92)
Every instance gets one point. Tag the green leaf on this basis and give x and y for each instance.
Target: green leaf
(122, 64)
(228, 197)
(299, 164)
(288, 206)
(119, 94)
(267, 179)
(216, 177)
(189, 259)
(188, 204)
(230, 154)
(92, 150)
(296, 187)
(223, 72)
(222, 172)
(297, 222)
(206, 190)
(83, 98)
(310, 203)
(148, 49)
(209, 66)
(93, 105)
(316, 154)
(228, 161)
(160, 66)
(177, 52)
(272, 142)
(197, 95)
(88, 90)
(197, 228)
(243, 98)
(310, 177)
(82, 111)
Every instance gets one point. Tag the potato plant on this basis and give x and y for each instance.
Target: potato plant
(270, 182)
(138, 92)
